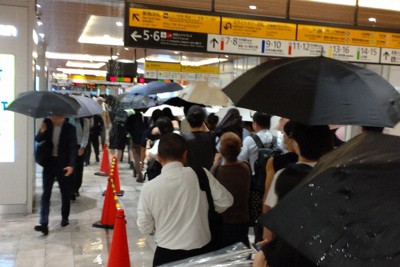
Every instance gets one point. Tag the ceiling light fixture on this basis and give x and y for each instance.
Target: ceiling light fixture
(39, 23)
(208, 61)
(119, 24)
(372, 19)
(102, 30)
(101, 73)
(80, 64)
(35, 37)
(188, 61)
(78, 57)
(253, 7)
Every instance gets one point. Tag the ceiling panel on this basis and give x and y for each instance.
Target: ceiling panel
(191, 4)
(384, 18)
(313, 11)
(266, 8)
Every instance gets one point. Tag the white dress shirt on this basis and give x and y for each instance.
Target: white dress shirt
(82, 135)
(175, 208)
(249, 150)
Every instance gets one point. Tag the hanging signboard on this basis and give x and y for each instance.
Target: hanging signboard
(186, 31)
(323, 34)
(390, 56)
(169, 30)
(258, 28)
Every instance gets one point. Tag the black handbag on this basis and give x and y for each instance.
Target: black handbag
(43, 152)
(215, 219)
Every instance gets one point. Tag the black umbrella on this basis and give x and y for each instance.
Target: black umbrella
(179, 102)
(319, 91)
(155, 87)
(135, 101)
(41, 104)
(347, 211)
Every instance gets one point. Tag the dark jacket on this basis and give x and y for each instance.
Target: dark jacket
(66, 145)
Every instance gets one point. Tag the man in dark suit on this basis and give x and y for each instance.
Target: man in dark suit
(59, 165)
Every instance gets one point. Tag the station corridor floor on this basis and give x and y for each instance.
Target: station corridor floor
(78, 244)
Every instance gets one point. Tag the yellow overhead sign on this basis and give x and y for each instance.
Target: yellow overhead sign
(176, 67)
(322, 34)
(201, 69)
(161, 66)
(175, 21)
(258, 29)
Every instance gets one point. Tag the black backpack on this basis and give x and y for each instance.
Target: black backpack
(153, 169)
(257, 187)
(264, 153)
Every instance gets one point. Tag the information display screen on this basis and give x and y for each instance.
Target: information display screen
(7, 94)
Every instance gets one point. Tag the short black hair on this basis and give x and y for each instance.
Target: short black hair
(212, 121)
(262, 119)
(172, 146)
(167, 112)
(314, 140)
(289, 127)
(195, 116)
(164, 125)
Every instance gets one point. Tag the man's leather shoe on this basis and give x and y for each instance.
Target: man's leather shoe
(140, 180)
(64, 222)
(42, 228)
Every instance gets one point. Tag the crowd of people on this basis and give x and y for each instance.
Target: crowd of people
(166, 157)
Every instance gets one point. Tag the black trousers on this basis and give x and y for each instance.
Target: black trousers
(50, 172)
(93, 141)
(164, 255)
(78, 171)
(233, 233)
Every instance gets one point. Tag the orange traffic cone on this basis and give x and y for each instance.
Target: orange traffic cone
(119, 251)
(116, 177)
(109, 210)
(105, 163)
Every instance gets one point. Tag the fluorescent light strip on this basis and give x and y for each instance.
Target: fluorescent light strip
(207, 61)
(102, 40)
(101, 73)
(79, 57)
(203, 62)
(79, 64)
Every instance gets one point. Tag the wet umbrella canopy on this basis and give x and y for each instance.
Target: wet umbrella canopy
(155, 87)
(317, 91)
(347, 211)
(41, 104)
(89, 107)
(135, 101)
(205, 93)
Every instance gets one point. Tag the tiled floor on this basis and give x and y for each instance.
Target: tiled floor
(79, 244)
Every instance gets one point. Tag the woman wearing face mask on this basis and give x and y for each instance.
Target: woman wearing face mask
(278, 162)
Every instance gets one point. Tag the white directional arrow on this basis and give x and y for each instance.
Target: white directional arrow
(134, 35)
